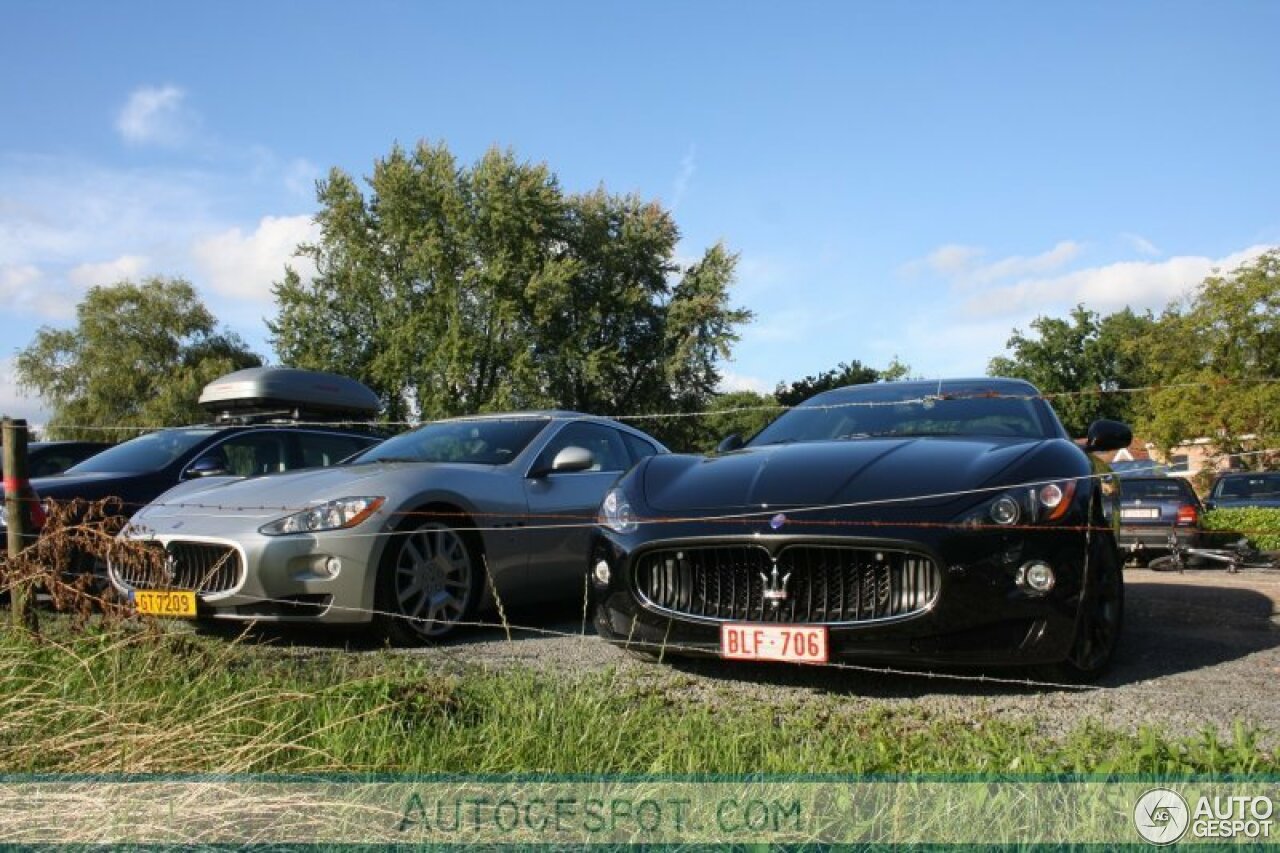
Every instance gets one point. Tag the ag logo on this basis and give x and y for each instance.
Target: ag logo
(1161, 816)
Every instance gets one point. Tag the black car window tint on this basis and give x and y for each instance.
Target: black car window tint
(608, 453)
(1171, 488)
(254, 453)
(50, 463)
(640, 449)
(852, 418)
(150, 452)
(319, 449)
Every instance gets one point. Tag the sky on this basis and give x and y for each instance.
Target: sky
(909, 179)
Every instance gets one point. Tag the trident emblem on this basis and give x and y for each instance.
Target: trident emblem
(775, 587)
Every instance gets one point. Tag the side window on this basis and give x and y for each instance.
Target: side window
(640, 449)
(254, 453)
(51, 464)
(608, 453)
(318, 449)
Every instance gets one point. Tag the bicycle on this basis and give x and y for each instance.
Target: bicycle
(1239, 555)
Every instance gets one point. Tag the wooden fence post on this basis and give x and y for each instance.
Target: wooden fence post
(17, 493)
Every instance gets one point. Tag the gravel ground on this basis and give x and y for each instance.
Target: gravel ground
(1200, 649)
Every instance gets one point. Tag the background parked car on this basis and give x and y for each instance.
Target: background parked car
(262, 422)
(1245, 489)
(53, 457)
(1153, 507)
(418, 532)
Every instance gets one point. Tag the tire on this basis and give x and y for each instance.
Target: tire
(429, 582)
(1163, 564)
(1098, 625)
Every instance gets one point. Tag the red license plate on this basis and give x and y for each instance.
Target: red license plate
(786, 643)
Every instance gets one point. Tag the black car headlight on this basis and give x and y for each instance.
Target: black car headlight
(616, 513)
(1044, 503)
(330, 515)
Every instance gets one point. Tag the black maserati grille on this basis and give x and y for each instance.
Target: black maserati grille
(807, 584)
(200, 566)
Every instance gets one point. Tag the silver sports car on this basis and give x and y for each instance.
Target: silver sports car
(416, 533)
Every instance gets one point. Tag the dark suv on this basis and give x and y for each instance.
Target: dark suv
(1152, 508)
(265, 420)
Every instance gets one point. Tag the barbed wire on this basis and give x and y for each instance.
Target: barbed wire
(517, 522)
(926, 399)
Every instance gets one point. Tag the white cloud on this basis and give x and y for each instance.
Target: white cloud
(950, 260)
(1136, 284)
(963, 264)
(1142, 245)
(730, 381)
(688, 165)
(156, 115)
(1016, 265)
(244, 266)
(86, 276)
(16, 403)
(25, 290)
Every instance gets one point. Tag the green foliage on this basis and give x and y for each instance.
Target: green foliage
(742, 412)
(454, 289)
(1260, 525)
(1085, 352)
(138, 356)
(1225, 338)
(850, 373)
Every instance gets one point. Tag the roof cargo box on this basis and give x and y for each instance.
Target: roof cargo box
(288, 391)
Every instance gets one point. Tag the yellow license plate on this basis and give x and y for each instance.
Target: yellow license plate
(165, 602)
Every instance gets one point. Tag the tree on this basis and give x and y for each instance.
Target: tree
(452, 290)
(138, 356)
(1080, 357)
(1217, 356)
(851, 373)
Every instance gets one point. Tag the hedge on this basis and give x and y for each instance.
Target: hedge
(1261, 526)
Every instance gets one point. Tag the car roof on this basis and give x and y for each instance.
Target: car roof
(549, 414)
(938, 387)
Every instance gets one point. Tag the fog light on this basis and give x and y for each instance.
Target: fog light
(1036, 576)
(333, 565)
(601, 572)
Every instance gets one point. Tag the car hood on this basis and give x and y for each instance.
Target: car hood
(88, 486)
(833, 472)
(272, 492)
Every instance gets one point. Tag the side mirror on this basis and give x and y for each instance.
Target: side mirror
(1108, 435)
(730, 442)
(568, 459)
(206, 466)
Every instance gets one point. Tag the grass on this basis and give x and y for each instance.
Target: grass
(122, 699)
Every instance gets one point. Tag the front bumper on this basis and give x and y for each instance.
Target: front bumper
(282, 578)
(980, 614)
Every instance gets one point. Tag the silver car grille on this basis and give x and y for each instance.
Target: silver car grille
(201, 566)
(808, 584)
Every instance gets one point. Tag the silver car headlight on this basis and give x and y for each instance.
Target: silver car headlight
(616, 514)
(330, 515)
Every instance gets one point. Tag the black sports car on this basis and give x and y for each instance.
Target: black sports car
(915, 522)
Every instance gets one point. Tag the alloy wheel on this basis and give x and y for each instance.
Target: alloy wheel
(433, 580)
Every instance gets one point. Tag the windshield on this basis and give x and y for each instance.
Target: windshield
(479, 442)
(150, 452)
(880, 411)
